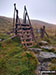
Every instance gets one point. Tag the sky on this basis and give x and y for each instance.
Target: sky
(44, 10)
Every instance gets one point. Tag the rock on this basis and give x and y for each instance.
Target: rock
(47, 47)
(46, 56)
(36, 50)
(43, 66)
(43, 43)
(0, 40)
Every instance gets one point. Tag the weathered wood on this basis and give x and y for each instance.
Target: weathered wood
(24, 31)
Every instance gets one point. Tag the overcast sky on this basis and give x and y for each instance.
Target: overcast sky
(44, 10)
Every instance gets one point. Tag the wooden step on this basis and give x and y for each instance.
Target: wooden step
(25, 34)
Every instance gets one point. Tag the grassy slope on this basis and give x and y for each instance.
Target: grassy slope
(15, 60)
(5, 24)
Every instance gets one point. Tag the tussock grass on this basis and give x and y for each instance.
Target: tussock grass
(15, 60)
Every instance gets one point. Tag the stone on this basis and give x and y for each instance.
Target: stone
(47, 47)
(43, 66)
(36, 50)
(46, 56)
(43, 43)
(0, 40)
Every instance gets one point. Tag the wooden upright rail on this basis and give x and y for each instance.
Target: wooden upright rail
(26, 36)
(24, 31)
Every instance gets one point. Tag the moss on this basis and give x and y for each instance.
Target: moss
(51, 50)
(15, 59)
(27, 73)
(35, 46)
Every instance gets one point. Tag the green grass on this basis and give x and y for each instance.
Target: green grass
(53, 65)
(4, 36)
(51, 50)
(15, 60)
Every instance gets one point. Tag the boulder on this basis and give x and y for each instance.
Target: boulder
(43, 43)
(36, 50)
(47, 47)
(46, 56)
(0, 40)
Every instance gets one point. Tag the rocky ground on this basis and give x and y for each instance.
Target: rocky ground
(43, 57)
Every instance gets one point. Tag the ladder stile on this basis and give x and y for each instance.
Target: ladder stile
(24, 31)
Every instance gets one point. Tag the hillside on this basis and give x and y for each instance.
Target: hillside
(15, 59)
(6, 24)
(41, 23)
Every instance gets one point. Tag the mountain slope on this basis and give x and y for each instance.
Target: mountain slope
(6, 24)
(41, 23)
(15, 59)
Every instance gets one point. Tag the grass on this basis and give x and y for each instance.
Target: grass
(15, 59)
(51, 50)
(4, 36)
(51, 42)
(36, 45)
(53, 64)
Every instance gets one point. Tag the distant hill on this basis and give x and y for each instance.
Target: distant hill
(41, 23)
(6, 24)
